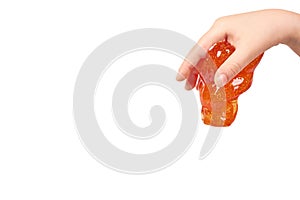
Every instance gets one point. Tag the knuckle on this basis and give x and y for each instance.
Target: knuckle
(234, 68)
(219, 21)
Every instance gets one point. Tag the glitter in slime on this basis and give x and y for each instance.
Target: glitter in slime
(220, 105)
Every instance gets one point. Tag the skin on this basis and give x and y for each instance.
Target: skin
(252, 34)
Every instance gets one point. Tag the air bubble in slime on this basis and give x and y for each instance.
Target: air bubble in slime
(220, 105)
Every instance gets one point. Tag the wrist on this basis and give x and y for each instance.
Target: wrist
(293, 37)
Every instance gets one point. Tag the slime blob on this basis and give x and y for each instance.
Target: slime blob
(220, 105)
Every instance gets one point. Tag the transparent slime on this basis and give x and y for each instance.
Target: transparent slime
(220, 105)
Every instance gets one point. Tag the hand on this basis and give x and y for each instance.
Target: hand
(251, 34)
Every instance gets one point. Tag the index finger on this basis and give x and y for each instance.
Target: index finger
(191, 61)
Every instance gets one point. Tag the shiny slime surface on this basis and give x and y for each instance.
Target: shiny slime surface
(220, 105)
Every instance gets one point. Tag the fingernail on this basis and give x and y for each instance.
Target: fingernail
(179, 77)
(188, 86)
(220, 80)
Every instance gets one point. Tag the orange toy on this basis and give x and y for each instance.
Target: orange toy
(220, 105)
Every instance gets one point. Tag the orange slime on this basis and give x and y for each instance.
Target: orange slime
(220, 105)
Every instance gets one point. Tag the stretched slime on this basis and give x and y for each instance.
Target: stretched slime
(220, 105)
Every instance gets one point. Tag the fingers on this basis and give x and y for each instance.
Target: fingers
(197, 52)
(191, 60)
(191, 75)
(192, 79)
(184, 71)
(232, 66)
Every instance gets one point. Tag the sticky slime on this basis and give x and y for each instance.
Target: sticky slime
(220, 105)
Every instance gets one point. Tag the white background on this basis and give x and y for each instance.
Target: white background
(42, 47)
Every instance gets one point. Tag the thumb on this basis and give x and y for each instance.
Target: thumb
(232, 66)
